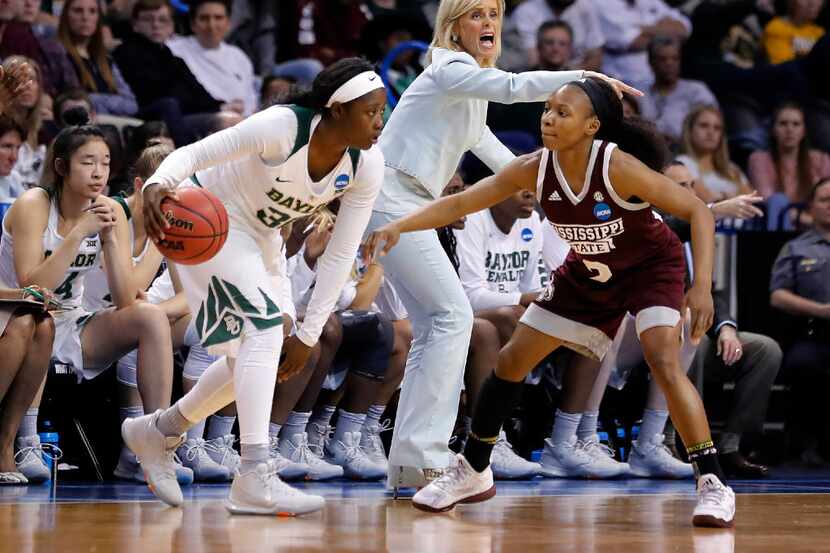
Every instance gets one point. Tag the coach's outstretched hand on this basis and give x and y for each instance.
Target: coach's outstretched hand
(296, 357)
(699, 300)
(619, 87)
(380, 242)
(154, 220)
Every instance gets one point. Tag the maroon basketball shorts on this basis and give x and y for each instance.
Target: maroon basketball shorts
(586, 314)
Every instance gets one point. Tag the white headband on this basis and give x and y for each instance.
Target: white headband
(356, 87)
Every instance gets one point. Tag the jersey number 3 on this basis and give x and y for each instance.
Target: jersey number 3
(603, 272)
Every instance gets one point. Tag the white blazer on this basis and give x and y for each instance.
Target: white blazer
(443, 114)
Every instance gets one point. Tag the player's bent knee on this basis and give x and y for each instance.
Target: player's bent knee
(21, 327)
(148, 315)
(45, 332)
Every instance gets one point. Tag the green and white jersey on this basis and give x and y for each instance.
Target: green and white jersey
(259, 170)
(71, 290)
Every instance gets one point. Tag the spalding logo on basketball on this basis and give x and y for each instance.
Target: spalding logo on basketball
(198, 226)
(602, 212)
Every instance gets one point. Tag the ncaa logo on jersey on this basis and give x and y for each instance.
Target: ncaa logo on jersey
(527, 234)
(602, 212)
(341, 182)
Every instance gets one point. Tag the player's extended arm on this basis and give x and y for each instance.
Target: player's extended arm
(633, 178)
(517, 175)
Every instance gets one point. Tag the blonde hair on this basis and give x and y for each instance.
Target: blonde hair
(720, 157)
(149, 160)
(450, 11)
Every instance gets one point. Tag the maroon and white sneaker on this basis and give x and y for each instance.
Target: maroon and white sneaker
(715, 503)
(460, 483)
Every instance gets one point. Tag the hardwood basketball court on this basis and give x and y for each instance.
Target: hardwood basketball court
(780, 515)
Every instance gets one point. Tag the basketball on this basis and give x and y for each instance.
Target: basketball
(198, 226)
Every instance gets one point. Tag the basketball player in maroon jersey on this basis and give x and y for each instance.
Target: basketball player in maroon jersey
(598, 195)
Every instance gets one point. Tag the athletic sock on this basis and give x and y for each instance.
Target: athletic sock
(28, 425)
(374, 414)
(295, 424)
(252, 455)
(654, 422)
(220, 426)
(274, 429)
(496, 401)
(587, 428)
(564, 427)
(172, 423)
(322, 415)
(704, 457)
(348, 422)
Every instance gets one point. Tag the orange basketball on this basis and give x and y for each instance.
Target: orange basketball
(198, 226)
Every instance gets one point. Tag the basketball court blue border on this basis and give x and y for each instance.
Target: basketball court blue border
(789, 482)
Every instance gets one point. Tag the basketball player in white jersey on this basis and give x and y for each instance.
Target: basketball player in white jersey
(53, 238)
(276, 166)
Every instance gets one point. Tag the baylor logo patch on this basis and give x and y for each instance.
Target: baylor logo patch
(223, 313)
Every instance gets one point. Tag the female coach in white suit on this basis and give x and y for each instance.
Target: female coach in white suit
(441, 116)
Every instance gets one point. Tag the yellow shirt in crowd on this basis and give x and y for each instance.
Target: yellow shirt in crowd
(784, 41)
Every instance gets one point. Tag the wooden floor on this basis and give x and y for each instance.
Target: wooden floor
(788, 523)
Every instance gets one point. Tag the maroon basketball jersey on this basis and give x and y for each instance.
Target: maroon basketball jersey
(606, 233)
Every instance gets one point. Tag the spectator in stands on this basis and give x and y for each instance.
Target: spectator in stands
(275, 90)
(43, 24)
(59, 73)
(581, 15)
(669, 98)
(792, 36)
(629, 26)
(800, 286)
(706, 155)
(80, 32)
(163, 84)
(554, 46)
(790, 167)
(554, 43)
(253, 28)
(224, 70)
(12, 136)
(324, 30)
(31, 109)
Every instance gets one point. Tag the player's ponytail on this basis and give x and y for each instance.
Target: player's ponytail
(327, 82)
(633, 135)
